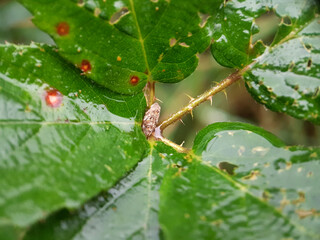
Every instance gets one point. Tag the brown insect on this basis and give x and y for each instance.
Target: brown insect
(150, 119)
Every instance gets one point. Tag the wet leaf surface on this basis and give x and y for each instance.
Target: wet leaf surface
(135, 199)
(272, 194)
(63, 138)
(287, 77)
(125, 39)
(234, 26)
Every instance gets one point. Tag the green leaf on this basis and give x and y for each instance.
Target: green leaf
(234, 25)
(284, 76)
(9, 232)
(125, 39)
(128, 211)
(242, 183)
(287, 77)
(54, 157)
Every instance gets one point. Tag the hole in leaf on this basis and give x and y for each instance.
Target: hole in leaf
(85, 66)
(279, 164)
(63, 28)
(316, 94)
(53, 98)
(203, 19)
(268, 26)
(134, 80)
(308, 46)
(287, 20)
(309, 63)
(118, 15)
(227, 167)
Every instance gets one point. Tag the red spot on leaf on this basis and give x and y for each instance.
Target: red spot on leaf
(63, 28)
(85, 66)
(134, 80)
(53, 98)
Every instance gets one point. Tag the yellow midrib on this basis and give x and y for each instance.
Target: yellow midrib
(140, 37)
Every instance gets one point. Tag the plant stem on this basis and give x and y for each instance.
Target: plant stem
(203, 97)
(175, 146)
(149, 93)
(158, 136)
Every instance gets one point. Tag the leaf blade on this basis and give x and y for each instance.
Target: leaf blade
(136, 45)
(287, 78)
(205, 202)
(66, 154)
(128, 210)
(285, 75)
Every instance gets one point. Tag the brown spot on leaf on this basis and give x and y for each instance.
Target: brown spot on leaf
(183, 44)
(266, 196)
(134, 80)
(53, 98)
(252, 176)
(307, 213)
(63, 29)
(172, 42)
(85, 66)
(203, 19)
(300, 199)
